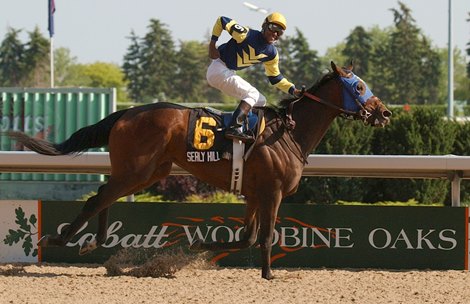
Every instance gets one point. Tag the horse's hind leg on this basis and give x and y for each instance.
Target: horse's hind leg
(250, 234)
(101, 236)
(162, 171)
(106, 196)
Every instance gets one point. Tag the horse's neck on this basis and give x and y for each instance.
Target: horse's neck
(313, 119)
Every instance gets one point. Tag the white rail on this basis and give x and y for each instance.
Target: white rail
(454, 168)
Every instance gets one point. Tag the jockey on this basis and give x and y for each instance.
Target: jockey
(246, 48)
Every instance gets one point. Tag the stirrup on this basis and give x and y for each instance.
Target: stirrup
(233, 133)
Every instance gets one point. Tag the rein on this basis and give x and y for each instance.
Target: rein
(362, 114)
(329, 104)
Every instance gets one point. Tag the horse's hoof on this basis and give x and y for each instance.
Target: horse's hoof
(44, 241)
(88, 247)
(268, 275)
(196, 245)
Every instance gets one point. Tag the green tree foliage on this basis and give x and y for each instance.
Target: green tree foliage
(37, 60)
(131, 67)
(302, 64)
(150, 64)
(468, 51)
(105, 75)
(422, 131)
(299, 63)
(69, 73)
(63, 67)
(24, 64)
(414, 77)
(358, 49)
(378, 75)
(190, 81)
(461, 79)
(11, 59)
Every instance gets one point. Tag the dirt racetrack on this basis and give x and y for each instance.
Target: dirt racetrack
(65, 283)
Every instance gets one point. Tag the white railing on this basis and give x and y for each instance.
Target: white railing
(454, 168)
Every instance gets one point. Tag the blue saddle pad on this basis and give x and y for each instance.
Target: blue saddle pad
(252, 120)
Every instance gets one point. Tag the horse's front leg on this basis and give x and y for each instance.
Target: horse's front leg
(268, 215)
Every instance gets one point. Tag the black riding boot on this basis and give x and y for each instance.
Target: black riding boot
(239, 116)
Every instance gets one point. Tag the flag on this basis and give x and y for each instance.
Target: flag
(51, 17)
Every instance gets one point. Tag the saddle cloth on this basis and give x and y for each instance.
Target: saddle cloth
(206, 141)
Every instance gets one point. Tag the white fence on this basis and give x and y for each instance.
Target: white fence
(454, 168)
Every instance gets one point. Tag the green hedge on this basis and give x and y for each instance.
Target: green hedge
(420, 131)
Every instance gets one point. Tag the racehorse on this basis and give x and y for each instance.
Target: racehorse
(145, 141)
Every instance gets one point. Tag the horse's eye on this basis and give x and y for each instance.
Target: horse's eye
(361, 89)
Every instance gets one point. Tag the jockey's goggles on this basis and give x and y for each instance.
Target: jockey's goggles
(273, 27)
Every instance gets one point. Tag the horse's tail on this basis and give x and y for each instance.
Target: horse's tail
(93, 136)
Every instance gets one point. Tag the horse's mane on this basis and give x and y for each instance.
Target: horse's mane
(284, 103)
(282, 106)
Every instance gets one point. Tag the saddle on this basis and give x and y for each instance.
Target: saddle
(207, 142)
(206, 131)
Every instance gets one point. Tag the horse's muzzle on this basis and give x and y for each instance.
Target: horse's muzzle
(375, 113)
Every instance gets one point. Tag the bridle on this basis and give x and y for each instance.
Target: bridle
(362, 114)
(348, 92)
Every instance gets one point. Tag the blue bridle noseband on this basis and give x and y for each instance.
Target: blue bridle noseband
(355, 92)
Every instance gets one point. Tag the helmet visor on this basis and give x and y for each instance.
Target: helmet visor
(273, 27)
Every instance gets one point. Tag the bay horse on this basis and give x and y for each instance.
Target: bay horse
(145, 141)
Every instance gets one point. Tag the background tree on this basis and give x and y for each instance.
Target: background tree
(63, 63)
(24, 64)
(421, 131)
(190, 81)
(429, 76)
(299, 63)
(415, 75)
(105, 75)
(461, 79)
(157, 59)
(150, 64)
(133, 72)
(37, 60)
(358, 48)
(378, 68)
(11, 59)
(468, 51)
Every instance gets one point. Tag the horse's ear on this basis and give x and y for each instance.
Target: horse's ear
(351, 66)
(338, 70)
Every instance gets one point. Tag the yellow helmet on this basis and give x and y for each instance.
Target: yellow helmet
(276, 18)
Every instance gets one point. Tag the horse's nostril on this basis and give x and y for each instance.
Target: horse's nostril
(386, 113)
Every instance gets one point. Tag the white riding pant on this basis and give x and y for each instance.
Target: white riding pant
(227, 81)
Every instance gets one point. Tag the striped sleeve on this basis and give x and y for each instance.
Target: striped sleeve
(276, 78)
(235, 30)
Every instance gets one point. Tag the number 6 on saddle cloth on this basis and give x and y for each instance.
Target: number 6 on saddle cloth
(207, 127)
(207, 142)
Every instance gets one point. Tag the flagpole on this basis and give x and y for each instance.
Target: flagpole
(450, 67)
(50, 27)
(52, 60)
